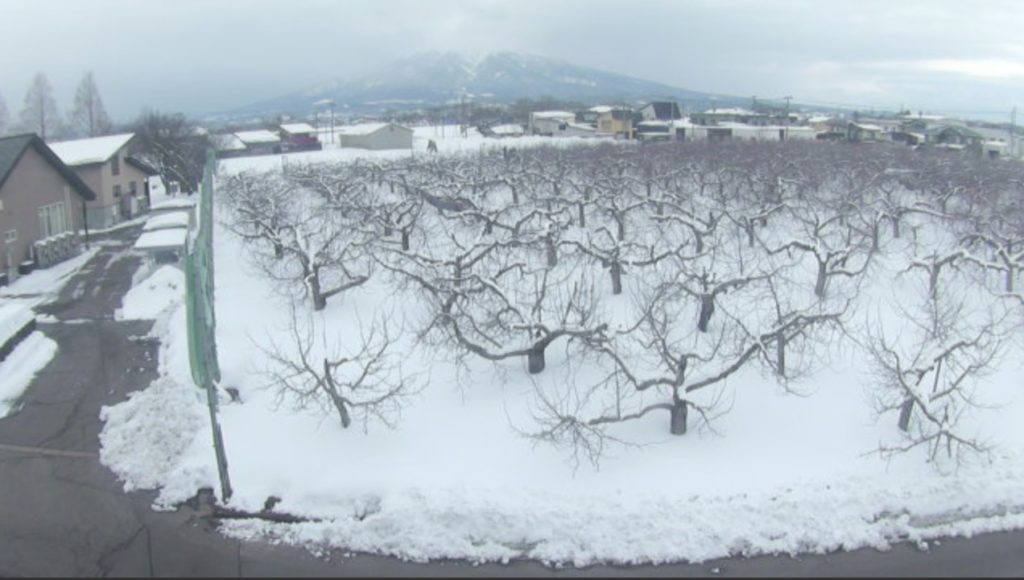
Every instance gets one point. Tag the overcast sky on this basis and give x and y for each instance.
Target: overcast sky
(199, 56)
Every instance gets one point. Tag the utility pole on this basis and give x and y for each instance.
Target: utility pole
(1013, 133)
(788, 98)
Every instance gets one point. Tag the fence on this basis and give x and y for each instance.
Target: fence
(201, 315)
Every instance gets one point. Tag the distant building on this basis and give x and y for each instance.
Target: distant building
(660, 111)
(259, 142)
(549, 122)
(509, 130)
(299, 137)
(375, 136)
(615, 121)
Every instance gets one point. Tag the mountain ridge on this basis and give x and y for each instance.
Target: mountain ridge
(435, 78)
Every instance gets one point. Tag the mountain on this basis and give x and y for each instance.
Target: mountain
(434, 78)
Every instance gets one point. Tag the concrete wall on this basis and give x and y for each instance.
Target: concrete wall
(32, 184)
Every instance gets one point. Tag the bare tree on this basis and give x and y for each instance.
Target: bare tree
(311, 241)
(366, 379)
(173, 145)
(88, 116)
(39, 112)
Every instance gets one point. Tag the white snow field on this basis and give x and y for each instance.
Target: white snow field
(782, 471)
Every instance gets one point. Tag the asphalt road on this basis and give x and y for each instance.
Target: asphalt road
(62, 513)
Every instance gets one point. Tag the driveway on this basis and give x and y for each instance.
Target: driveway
(63, 513)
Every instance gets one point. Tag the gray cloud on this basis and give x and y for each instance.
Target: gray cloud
(202, 55)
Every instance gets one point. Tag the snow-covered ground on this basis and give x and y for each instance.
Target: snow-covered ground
(163, 289)
(783, 472)
(21, 366)
(43, 285)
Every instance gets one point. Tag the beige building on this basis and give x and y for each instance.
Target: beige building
(614, 121)
(41, 200)
(102, 163)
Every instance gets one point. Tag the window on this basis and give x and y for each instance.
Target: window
(132, 188)
(115, 164)
(117, 190)
(52, 219)
(11, 236)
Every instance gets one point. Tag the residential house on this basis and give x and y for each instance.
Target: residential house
(375, 136)
(730, 115)
(101, 162)
(549, 122)
(861, 132)
(615, 121)
(259, 142)
(228, 145)
(660, 111)
(42, 202)
(299, 137)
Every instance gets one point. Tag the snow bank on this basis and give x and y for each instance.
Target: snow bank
(13, 318)
(165, 427)
(164, 288)
(21, 366)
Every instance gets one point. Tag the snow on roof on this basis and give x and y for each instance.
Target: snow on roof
(600, 109)
(228, 142)
(257, 136)
(365, 128)
(819, 119)
(866, 126)
(507, 129)
(160, 239)
(88, 151)
(177, 219)
(729, 111)
(553, 115)
(173, 203)
(297, 128)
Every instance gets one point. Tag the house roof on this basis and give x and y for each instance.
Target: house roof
(227, 142)
(367, 128)
(664, 109)
(298, 128)
(730, 111)
(90, 151)
(256, 137)
(141, 165)
(12, 149)
(553, 115)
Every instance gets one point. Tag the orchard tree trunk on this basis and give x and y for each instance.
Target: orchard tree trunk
(339, 403)
(313, 280)
(583, 215)
(780, 357)
(707, 308)
(677, 422)
(551, 251)
(616, 271)
(820, 283)
(535, 360)
(905, 410)
(405, 240)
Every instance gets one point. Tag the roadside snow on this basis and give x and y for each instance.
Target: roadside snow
(164, 288)
(13, 318)
(43, 285)
(21, 366)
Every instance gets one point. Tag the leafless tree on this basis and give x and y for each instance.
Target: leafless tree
(88, 116)
(39, 112)
(315, 369)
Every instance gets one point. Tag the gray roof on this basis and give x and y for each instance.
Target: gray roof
(12, 148)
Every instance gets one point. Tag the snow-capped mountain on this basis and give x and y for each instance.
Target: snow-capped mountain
(430, 78)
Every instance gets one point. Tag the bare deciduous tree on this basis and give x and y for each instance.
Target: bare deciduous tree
(88, 116)
(39, 112)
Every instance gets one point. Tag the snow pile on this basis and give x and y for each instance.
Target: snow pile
(13, 318)
(21, 366)
(163, 289)
(164, 428)
(46, 284)
(640, 527)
